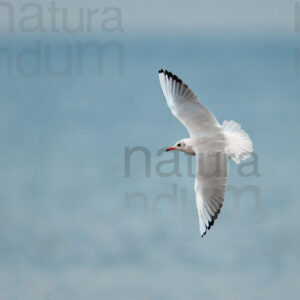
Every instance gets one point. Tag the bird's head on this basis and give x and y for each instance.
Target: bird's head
(184, 145)
(180, 145)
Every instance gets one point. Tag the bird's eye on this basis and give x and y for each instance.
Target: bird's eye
(179, 145)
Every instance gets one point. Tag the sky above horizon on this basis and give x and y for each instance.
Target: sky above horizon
(232, 16)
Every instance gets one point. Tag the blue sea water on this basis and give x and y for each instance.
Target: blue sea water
(67, 231)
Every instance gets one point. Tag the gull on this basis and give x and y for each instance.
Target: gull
(210, 142)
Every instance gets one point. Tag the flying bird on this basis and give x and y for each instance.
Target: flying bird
(210, 142)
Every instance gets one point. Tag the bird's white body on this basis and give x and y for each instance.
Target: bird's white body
(214, 141)
(210, 142)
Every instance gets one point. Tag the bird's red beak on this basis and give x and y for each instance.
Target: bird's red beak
(169, 149)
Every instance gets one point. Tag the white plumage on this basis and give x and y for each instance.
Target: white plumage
(209, 141)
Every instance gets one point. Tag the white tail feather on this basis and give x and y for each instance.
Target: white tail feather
(239, 144)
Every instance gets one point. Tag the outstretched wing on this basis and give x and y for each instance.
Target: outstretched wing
(210, 186)
(185, 105)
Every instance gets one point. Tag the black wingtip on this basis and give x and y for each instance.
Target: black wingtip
(212, 222)
(171, 75)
